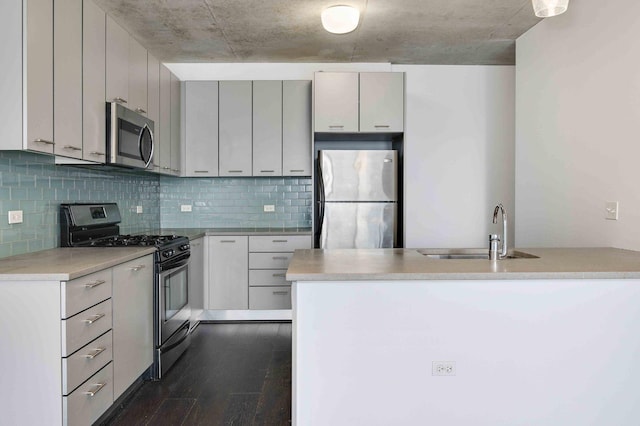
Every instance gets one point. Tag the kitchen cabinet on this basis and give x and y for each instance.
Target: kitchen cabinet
(26, 87)
(359, 102)
(228, 272)
(235, 128)
(93, 82)
(175, 101)
(153, 104)
(336, 101)
(267, 128)
(132, 321)
(67, 81)
(200, 150)
(137, 77)
(296, 128)
(197, 277)
(163, 130)
(117, 62)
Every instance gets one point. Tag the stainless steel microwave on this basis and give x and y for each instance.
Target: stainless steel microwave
(129, 137)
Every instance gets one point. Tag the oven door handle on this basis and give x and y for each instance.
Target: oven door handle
(174, 265)
(184, 329)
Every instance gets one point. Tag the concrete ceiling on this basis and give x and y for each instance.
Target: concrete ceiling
(481, 32)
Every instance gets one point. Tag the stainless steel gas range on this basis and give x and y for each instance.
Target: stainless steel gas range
(96, 225)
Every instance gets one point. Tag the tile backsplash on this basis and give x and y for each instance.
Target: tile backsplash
(235, 202)
(34, 184)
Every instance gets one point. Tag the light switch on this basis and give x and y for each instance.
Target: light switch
(611, 210)
(185, 208)
(15, 216)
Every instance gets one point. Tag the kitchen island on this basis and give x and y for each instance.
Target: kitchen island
(393, 337)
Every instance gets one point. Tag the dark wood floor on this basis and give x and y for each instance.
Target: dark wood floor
(232, 374)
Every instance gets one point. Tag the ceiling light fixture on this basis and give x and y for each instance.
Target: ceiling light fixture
(340, 19)
(548, 8)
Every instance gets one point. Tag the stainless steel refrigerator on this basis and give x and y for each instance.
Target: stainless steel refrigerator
(357, 198)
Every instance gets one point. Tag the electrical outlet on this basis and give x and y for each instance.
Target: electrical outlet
(185, 208)
(269, 208)
(139, 209)
(443, 368)
(15, 216)
(611, 210)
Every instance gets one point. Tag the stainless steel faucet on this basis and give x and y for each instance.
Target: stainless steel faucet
(503, 251)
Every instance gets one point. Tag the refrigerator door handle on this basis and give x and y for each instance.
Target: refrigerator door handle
(321, 200)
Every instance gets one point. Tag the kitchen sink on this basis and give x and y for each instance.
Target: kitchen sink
(470, 254)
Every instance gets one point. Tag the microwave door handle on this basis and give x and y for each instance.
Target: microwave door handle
(144, 129)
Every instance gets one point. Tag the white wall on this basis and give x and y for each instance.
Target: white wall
(459, 151)
(578, 123)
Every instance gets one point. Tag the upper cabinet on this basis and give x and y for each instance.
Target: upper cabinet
(163, 128)
(267, 128)
(153, 104)
(26, 86)
(200, 145)
(117, 66)
(137, 77)
(296, 128)
(359, 102)
(175, 100)
(235, 103)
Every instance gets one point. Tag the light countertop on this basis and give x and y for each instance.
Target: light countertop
(66, 263)
(408, 264)
(194, 233)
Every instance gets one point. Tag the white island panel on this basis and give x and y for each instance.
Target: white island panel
(543, 352)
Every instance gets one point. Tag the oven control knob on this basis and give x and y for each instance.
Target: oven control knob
(167, 253)
(185, 247)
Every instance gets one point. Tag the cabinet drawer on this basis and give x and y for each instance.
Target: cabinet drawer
(279, 243)
(270, 298)
(269, 260)
(85, 362)
(268, 277)
(84, 327)
(83, 292)
(87, 403)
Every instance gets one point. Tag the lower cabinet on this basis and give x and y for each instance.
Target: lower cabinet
(248, 272)
(196, 277)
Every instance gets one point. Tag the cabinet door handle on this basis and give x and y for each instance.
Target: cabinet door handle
(44, 141)
(201, 171)
(280, 241)
(97, 153)
(73, 148)
(95, 284)
(297, 171)
(94, 353)
(227, 241)
(280, 258)
(166, 168)
(267, 171)
(119, 100)
(137, 268)
(141, 110)
(235, 171)
(381, 126)
(279, 275)
(336, 127)
(98, 388)
(280, 293)
(94, 318)
(175, 170)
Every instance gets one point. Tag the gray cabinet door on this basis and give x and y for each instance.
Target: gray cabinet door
(117, 57)
(153, 104)
(296, 128)
(93, 81)
(163, 131)
(137, 77)
(228, 272)
(336, 102)
(67, 82)
(197, 277)
(39, 75)
(267, 128)
(175, 124)
(381, 102)
(235, 128)
(201, 128)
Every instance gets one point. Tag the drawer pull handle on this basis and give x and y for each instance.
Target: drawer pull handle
(279, 275)
(227, 241)
(267, 171)
(280, 258)
(381, 126)
(280, 293)
(119, 100)
(141, 110)
(94, 284)
(235, 171)
(73, 148)
(336, 126)
(44, 141)
(98, 388)
(97, 153)
(280, 241)
(296, 170)
(95, 353)
(137, 268)
(201, 171)
(94, 318)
